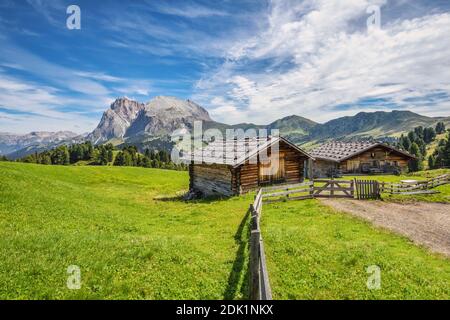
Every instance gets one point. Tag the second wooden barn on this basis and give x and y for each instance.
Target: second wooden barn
(337, 158)
(240, 169)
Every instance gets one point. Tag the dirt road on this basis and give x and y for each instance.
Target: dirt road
(427, 224)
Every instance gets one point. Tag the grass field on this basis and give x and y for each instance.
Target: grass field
(127, 244)
(134, 238)
(444, 190)
(315, 253)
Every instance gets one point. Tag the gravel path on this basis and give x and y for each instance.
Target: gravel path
(425, 224)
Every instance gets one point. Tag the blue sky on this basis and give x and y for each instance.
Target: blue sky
(252, 61)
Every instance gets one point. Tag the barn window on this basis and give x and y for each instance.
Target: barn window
(272, 170)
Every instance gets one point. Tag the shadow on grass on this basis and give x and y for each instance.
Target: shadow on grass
(239, 264)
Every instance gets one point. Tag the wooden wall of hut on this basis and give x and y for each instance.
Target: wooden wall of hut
(211, 179)
(379, 154)
(216, 179)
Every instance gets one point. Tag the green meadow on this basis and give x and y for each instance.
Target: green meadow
(127, 229)
(133, 237)
(314, 252)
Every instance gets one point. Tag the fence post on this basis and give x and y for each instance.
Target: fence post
(255, 292)
(352, 186)
(310, 170)
(332, 187)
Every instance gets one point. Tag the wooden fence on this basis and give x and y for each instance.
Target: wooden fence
(367, 189)
(297, 191)
(309, 190)
(421, 187)
(259, 276)
(334, 189)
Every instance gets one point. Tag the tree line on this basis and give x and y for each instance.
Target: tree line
(129, 156)
(102, 155)
(416, 141)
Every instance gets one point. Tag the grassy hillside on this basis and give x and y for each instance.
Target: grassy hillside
(314, 252)
(128, 244)
(431, 147)
(373, 124)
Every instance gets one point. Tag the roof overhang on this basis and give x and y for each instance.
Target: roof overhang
(267, 145)
(406, 154)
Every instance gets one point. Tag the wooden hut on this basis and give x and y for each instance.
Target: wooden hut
(336, 158)
(232, 167)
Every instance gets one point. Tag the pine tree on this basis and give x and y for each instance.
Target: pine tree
(431, 162)
(419, 132)
(429, 134)
(146, 162)
(120, 159)
(440, 128)
(46, 159)
(88, 153)
(405, 143)
(422, 147)
(415, 164)
(446, 153)
(110, 155)
(412, 136)
(128, 159)
(60, 156)
(102, 156)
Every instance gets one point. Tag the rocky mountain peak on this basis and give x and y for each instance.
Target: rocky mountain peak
(126, 108)
(161, 115)
(177, 108)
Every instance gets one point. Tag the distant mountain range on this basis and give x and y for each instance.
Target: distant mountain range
(16, 146)
(150, 125)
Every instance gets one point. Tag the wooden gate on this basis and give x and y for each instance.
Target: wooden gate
(333, 189)
(367, 189)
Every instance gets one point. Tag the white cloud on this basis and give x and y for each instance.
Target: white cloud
(315, 55)
(29, 107)
(189, 11)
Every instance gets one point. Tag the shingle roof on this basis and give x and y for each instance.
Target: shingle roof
(339, 151)
(235, 152)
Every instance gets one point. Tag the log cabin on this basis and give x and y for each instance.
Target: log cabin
(335, 158)
(234, 167)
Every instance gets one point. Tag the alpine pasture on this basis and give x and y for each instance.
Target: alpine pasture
(133, 237)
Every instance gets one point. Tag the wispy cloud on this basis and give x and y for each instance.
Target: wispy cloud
(26, 106)
(188, 10)
(312, 56)
(252, 61)
(53, 11)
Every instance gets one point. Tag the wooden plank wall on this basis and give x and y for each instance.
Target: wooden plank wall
(322, 167)
(212, 179)
(294, 169)
(249, 177)
(294, 163)
(380, 155)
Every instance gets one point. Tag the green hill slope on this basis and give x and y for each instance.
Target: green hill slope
(127, 244)
(374, 124)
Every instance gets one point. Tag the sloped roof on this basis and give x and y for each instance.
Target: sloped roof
(340, 151)
(236, 152)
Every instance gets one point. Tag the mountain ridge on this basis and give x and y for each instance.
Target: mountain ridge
(150, 125)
